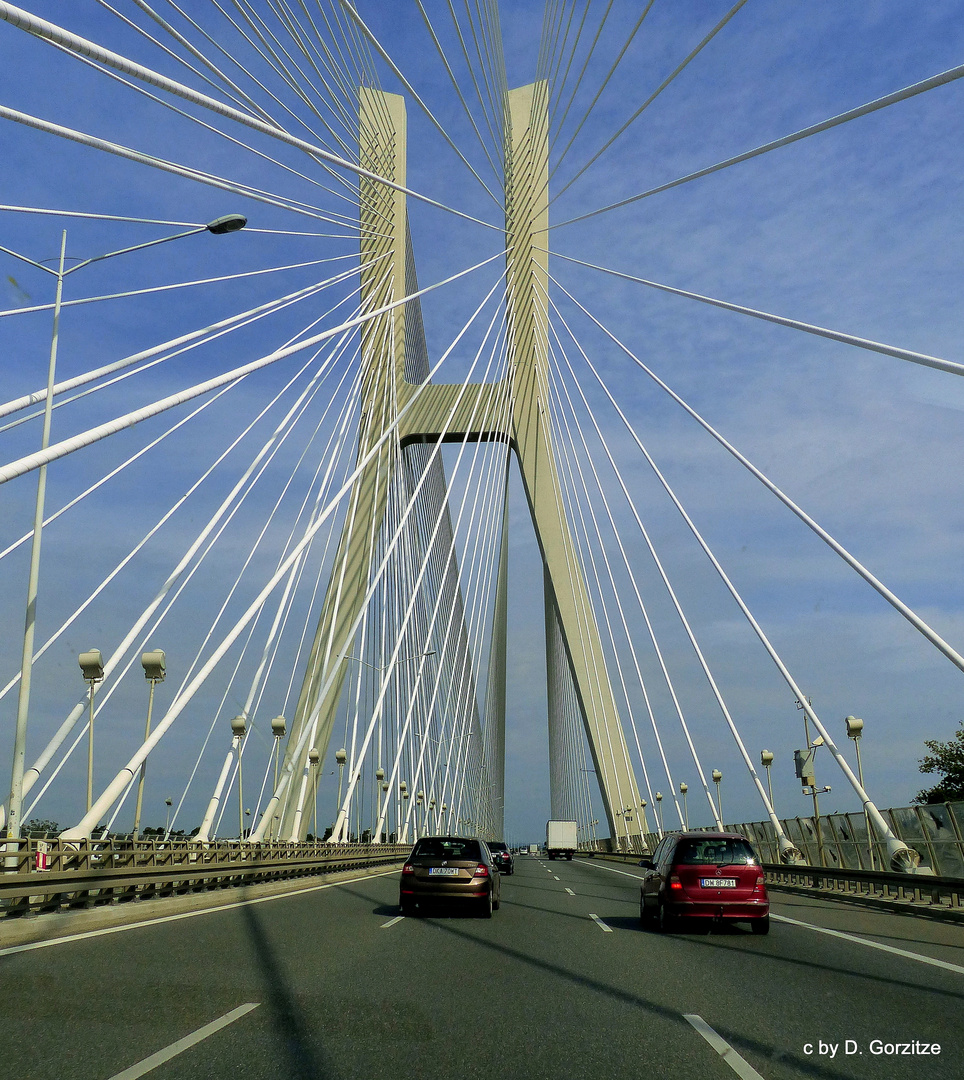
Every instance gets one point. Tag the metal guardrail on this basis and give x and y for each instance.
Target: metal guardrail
(944, 892)
(869, 886)
(50, 875)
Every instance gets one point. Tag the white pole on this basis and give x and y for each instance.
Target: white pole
(15, 804)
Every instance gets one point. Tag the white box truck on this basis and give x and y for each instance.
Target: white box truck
(560, 839)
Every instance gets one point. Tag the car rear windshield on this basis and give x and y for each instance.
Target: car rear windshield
(439, 848)
(495, 846)
(713, 853)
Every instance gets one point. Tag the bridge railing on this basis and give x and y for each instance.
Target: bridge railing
(45, 875)
(935, 831)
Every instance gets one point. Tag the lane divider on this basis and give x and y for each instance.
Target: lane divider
(148, 1064)
(739, 1065)
(571, 893)
(391, 922)
(600, 923)
(872, 944)
(29, 946)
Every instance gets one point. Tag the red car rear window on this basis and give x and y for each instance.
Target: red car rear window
(714, 852)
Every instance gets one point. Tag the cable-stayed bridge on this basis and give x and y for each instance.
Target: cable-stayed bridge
(344, 306)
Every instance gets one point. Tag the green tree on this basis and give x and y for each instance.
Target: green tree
(41, 827)
(946, 759)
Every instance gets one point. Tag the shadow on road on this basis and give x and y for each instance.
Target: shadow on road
(740, 1041)
(301, 1061)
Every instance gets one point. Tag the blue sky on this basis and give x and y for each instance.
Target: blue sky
(855, 229)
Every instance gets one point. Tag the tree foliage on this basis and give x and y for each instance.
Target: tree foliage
(947, 760)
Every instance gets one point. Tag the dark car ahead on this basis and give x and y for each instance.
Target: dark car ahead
(450, 870)
(501, 856)
(703, 875)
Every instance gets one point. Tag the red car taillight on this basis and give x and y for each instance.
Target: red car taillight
(408, 868)
(675, 884)
(481, 871)
(758, 886)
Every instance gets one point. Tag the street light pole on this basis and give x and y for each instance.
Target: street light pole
(154, 671)
(766, 760)
(717, 779)
(855, 728)
(225, 224)
(15, 805)
(92, 666)
(683, 788)
(238, 727)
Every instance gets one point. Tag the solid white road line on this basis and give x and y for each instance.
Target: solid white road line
(600, 923)
(613, 870)
(739, 1065)
(391, 922)
(571, 893)
(873, 944)
(9, 949)
(152, 1062)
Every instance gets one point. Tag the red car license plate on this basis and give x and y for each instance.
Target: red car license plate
(718, 882)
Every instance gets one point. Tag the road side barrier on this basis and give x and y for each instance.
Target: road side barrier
(90, 872)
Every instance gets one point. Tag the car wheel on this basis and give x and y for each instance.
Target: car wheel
(665, 921)
(761, 926)
(496, 904)
(487, 907)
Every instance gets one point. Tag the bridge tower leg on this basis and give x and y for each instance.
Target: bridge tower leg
(566, 597)
(383, 237)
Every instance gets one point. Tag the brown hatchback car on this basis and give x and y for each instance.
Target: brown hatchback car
(704, 875)
(449, 869)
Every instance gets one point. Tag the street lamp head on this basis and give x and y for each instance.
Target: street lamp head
(683, 788)
(717, 776)
(341, 756)
(379, 775)
(313, 756)
(92, 665)
(238, 726)
(154, 665)
(766, 759)
(855, 727)
(278, 727)
(659, 796)
(227, 224)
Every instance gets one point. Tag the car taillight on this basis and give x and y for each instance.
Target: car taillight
(758, 886)
(675, 884)
(408, 868)
(481, 870)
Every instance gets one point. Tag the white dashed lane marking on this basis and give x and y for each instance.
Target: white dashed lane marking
(600, 923)
(743, 1069)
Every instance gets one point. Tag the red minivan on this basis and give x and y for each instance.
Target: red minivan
(704, 875)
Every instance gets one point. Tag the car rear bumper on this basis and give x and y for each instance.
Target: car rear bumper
(466, 892)
(720, 909)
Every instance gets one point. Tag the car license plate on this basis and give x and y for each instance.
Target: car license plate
(718, 882)
(443, 871)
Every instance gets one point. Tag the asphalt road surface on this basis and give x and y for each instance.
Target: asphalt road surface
(330, 983)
